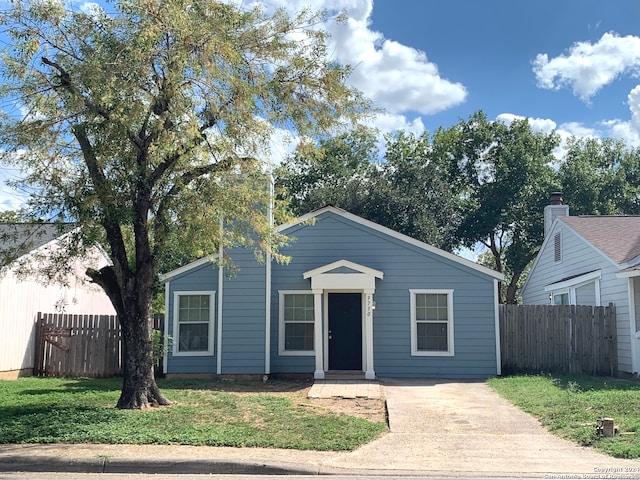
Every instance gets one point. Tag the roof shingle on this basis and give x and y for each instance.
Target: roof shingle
(618, 237)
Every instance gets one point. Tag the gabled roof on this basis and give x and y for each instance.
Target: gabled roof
(344, 267)
(189, 266)
(18, 239)
(618, 237)
(392, 233)
(367, 223)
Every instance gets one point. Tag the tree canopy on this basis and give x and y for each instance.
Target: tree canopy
(502, 176)
(477, 182)
(149, 121)
(600, 177)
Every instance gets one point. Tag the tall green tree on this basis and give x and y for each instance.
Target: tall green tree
(337, 172)
(403, 191)
(600, 177)
(502, 175)
(410, 193)
(136, 122)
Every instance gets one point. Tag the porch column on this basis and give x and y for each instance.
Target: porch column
(318, 334)
(369, 373)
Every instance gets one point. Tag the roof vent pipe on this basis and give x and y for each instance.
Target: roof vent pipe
(555, 198)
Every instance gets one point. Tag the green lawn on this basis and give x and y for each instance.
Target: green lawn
(48, 410)
(569, 406)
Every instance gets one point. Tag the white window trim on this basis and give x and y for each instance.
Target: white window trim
(570, 286)
(176, 324)
(281, 349)
(414, 325)
(570, 297)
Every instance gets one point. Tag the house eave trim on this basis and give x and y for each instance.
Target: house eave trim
(343, 263)
(629, 273)
(185, 268)
(575, 281)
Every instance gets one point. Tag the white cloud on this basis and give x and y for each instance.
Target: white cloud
(388, 122)
(11, 199)
(90, 8)
(544, 125)
(586, 68)
(629, 131)
(394, 76)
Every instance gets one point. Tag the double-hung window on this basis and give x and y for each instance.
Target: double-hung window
(297, 318)
(193, 328)
(432, 322)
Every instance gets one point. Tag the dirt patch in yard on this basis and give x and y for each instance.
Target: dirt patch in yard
(373, 410)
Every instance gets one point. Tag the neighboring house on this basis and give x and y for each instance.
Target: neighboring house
(356, 296)
(23, 294)
(591, 260)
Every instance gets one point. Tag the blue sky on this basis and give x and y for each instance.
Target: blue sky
(572, 66)
(490, 48)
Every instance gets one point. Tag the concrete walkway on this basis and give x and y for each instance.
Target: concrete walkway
(437, 429)
(369, 389)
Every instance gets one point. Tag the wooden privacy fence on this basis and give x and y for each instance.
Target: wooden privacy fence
(559, 339)
(80, 345)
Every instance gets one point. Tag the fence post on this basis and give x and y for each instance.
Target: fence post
(39, 346)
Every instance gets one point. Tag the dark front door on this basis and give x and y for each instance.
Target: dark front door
(345, 331)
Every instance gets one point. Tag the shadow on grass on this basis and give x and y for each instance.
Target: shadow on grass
(586, 383)
(237, 386)
(49, 424)
(76, 385)
(83, 385)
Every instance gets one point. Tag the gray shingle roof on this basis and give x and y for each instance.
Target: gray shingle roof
(618, 237)
(17, 239)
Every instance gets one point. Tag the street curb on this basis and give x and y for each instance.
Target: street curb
(107, 465)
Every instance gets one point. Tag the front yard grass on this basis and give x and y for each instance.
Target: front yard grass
(271, 415)
(569, 406)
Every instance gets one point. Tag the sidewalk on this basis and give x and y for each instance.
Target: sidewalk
(437, 428)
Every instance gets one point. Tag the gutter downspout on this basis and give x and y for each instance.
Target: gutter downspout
(496, 306)
(220, 298)
(165, 357)
(267, 302)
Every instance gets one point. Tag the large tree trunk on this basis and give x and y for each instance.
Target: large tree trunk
(512, 289)
(133, 306)
(139, 389)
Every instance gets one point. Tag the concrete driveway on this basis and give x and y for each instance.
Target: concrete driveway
(443, 427)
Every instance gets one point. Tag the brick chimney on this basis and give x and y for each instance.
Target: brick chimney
(555, 209)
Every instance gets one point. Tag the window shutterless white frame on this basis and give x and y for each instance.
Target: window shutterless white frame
(281, 324)
(414, 325)
(559, 294)
(569, 287)
(176, 324)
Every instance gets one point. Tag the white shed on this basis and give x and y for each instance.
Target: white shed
(23, 295)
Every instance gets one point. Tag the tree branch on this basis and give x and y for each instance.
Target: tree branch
(106, 278)
(162, 225)
(67, 84)
(101, 186)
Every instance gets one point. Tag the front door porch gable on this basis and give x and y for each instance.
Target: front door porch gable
(344, 275)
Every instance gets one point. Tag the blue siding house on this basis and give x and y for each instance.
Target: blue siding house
(356, 296)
